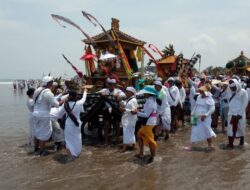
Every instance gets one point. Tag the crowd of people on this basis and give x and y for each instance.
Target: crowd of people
(55, 113)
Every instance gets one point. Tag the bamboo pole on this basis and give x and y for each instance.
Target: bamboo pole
(142, 63)
(87, 68)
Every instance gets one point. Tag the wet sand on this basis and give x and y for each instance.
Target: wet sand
(104, 168)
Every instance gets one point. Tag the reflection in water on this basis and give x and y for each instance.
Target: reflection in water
(100, 168)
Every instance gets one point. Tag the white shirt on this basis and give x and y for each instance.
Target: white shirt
(194, 84)
(204, 106)
(174, 95)
(44, 103)
(238, 104)
(182, 95)
(192, 93)
(128, 118)
(30, 104)
(161, 109)
(116, 91)
(248, 92)
(78, 108)
(149, 111)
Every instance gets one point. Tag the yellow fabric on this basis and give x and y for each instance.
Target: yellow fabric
(125, 61)
(139, 54)
(168, 60)
(146, 132)
(132, 54)
(123, 57)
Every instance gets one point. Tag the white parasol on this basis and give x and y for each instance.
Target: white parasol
(107, 57)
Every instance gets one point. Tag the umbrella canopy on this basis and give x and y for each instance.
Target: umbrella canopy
(88, 56)
(215, 81)
(107, 57)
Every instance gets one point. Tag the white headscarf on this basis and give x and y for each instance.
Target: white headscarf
(131, 89)
(111, 81)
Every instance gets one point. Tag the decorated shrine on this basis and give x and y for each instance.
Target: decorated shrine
(175, 65)
(122, 64)
(239, 65)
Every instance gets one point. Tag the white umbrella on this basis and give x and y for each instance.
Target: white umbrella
(136, 74)
(107, 57)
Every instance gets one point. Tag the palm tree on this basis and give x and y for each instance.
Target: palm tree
(169, 51)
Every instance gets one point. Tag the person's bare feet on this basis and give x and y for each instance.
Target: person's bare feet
(123, 150)
(211, 148)
(188, 148)
(139, 156)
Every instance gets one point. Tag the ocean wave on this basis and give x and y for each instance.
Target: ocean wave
(6, 82)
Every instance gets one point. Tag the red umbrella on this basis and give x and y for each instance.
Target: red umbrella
(88, 56)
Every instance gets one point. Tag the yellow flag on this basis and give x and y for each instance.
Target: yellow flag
(139, 54)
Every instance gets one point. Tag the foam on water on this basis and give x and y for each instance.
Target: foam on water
(6, 83)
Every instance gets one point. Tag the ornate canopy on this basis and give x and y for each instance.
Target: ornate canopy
(240, 62)
(127, 41)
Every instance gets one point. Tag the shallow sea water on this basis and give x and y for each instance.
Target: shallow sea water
(104, 168)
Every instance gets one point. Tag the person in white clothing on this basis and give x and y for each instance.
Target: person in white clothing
(248, 93)
(129, 118)
(192, 94)
(174, 102)
(72, 132)
(163, 109)
(30, 106)
(223, 104)
(145, 134)
(43, 101)
(237, 103)
(109, 114)
(57, 131)
(201, 116)
(180, 111)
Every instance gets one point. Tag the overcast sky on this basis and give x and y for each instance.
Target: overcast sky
(31, 42)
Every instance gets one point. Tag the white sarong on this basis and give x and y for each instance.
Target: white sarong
(241, 130)
(32, 129)
(129, 134)
(43, 129)
(73, 139)
(202, 131)
(57, 134)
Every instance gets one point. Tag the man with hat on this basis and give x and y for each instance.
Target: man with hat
(109, 115)
(174, 102)
(237, 103)
(43, 101)
(163, 108)
(139, 84)
(129, 118)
